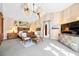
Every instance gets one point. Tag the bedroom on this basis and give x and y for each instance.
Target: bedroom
(33, 27)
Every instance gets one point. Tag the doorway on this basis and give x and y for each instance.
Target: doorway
(46, 29)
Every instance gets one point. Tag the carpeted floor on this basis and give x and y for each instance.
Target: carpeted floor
(48, 47)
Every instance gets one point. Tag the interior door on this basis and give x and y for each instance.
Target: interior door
(1, 28)
(46, 29)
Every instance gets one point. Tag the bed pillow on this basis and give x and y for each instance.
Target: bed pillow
(20, 33)
(24, 34)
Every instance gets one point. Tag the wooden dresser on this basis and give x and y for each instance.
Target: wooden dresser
(11, 35)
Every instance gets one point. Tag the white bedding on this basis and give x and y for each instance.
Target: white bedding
(22, 34)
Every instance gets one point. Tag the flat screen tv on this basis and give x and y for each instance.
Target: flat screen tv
(73, 28)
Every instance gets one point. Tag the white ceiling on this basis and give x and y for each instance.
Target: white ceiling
(16, 10)
(52, 7)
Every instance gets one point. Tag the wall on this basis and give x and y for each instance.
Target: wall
(70, 14)
(55, 24)
(54, 19)
(0, 7)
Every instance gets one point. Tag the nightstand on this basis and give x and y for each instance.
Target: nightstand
(11, 35)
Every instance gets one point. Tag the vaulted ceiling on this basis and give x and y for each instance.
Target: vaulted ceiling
(15, 10)
(51, 7)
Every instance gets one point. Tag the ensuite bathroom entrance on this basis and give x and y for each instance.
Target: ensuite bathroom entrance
(46, 29)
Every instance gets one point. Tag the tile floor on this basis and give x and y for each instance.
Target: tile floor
(48, 47)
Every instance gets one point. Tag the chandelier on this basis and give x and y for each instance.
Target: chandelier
(31, 10)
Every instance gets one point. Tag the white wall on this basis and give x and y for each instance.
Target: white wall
(55, 23)
(0, 6)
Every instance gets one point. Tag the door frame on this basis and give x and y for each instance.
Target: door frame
(2, 22)
(47, 27)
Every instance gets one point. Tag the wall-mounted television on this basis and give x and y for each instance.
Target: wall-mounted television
(70, 28)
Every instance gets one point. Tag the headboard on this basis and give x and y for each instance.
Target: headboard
(23, 29)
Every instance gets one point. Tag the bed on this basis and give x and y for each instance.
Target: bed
(22, 33)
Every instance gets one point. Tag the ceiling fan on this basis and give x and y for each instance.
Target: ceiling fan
(27, 9)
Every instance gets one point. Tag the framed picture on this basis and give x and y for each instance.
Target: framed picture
(21, 23)
(38, 29)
